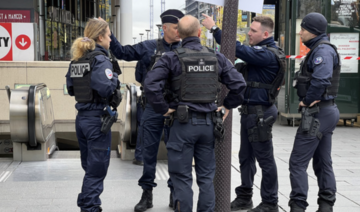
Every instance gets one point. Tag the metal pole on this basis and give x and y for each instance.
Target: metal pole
(159, 27)
(222, 180)
(141, 34)
(42, 29)
(147, 33)
(134, 39)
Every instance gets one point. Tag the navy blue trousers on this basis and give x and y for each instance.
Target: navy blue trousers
(263, 152)
(152, 127)
(95, 149)
(139, 140)
(187, 141)
(307, 147)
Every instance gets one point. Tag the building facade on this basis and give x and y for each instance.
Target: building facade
(59, 22)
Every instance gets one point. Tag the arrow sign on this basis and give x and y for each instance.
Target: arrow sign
(23, 42)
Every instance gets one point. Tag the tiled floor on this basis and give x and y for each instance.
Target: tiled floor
(53, 185)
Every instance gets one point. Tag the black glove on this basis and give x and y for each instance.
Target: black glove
(116, 99)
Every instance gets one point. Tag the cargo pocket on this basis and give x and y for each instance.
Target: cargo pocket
(175, 156)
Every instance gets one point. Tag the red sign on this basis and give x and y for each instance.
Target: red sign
(23, 42)
(15, 16)
(6, 52)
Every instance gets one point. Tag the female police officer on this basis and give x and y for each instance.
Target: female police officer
(94, 84)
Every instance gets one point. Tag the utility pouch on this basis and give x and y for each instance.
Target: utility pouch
(261, 132)
(183, 114)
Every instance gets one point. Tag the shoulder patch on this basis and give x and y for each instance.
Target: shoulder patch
(257, 47)
(318, 60)
(108, 73)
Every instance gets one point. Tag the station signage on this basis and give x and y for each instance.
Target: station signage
(11, 16)
(17, 42)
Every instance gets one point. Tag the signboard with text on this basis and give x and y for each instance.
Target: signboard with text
(17, 42)
(347, 45)
(11, 16)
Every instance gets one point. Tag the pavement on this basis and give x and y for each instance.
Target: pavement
(53, 185)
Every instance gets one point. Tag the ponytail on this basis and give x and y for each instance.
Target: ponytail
(80, 47)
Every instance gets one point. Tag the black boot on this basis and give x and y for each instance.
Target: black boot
(171, 202)
(264, 207)
(324, 206)
(241, 204)
(295, 208)
(145, 202)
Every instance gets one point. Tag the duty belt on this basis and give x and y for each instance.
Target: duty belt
(199, 115)
(91, 113)
(326, 103)
(251, 109)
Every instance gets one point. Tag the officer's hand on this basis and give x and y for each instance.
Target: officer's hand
(208, 22)
(314, 102)
(301, 104)
(226, 112)
(170, 111)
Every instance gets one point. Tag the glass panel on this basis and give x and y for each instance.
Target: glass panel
(345, 13)
(307, 6)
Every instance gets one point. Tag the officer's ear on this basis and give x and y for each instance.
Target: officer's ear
(199, 33)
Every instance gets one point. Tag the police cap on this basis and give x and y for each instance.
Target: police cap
(171, 16)
(315, 23)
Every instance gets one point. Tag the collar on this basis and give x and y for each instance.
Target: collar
(169, 44)
(267, 42)
(191, 41)
(102, 49)
(313, 41)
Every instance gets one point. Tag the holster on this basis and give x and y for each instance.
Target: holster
(309, 124)
(219, 130)
(262, 131)
(108, 120)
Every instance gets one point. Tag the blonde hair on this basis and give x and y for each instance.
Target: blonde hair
(93, 29)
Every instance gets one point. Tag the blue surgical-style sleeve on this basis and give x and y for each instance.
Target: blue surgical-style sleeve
(101, 81)
(253, 55)
(322, 73)
(233, 80)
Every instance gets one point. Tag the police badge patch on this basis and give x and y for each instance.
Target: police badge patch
(108, 73)
(318, 60)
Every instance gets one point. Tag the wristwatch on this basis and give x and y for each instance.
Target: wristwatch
(214, 29)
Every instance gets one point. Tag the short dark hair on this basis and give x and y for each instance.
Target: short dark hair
(265, 22)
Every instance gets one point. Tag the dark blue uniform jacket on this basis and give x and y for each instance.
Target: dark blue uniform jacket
(99, 81)
(322, 72)
(141, 52)
(169, 66)
(262, 67)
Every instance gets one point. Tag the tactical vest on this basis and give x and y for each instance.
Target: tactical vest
(274, 87)
(198, 82)
(81, 76)
(304, 76)
(159, 52)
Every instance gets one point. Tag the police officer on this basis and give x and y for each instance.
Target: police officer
(193, 72)
(264, 74)
(95, 85)
(152, 124)
(140, 71)
(317, 85)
